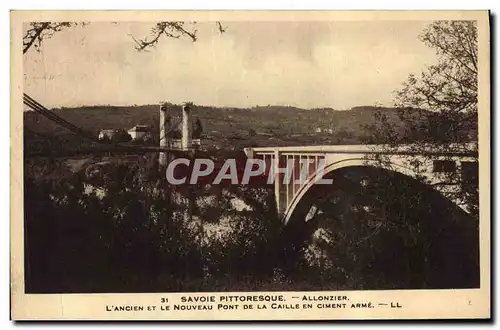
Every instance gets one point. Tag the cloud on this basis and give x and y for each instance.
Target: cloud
(308, 64)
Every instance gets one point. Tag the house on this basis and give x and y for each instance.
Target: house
(107, 134)
(113, 135)
(140, 133)
(324, 130)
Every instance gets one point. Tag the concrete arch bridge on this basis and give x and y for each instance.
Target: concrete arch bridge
(445, 169)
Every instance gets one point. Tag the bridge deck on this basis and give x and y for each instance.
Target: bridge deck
(289, 193)
(462, 150)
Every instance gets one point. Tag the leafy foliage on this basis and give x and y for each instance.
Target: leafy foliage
(451, 84)
(108, 228)
(448, 90)
(376, 229)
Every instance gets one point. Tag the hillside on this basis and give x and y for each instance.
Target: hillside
(237, 127)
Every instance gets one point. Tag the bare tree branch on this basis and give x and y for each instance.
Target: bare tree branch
(167, 29)
(221, 28)
(39, 31)
(174, 30)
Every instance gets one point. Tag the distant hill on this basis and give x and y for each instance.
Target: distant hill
(238, 127)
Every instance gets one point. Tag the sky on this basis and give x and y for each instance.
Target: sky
(337, 64)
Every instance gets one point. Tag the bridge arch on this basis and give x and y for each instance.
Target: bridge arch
(345, 163)
(377, 226)
(355, 229)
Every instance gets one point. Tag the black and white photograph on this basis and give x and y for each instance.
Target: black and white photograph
(283, 161)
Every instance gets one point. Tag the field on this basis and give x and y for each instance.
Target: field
(235, 127)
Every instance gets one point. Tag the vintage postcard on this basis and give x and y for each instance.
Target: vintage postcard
(260, 165)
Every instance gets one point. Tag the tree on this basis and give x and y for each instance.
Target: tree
(197, 129)
(447, 93)
(38, 31)
(170, 30)
(450, 85)
(449, 88)
(397, 231)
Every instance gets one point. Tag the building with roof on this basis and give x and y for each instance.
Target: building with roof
(140, 133)
(113, 135)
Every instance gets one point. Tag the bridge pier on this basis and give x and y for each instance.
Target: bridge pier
(277, 190)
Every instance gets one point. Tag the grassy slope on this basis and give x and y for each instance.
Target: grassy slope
(232, 127)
